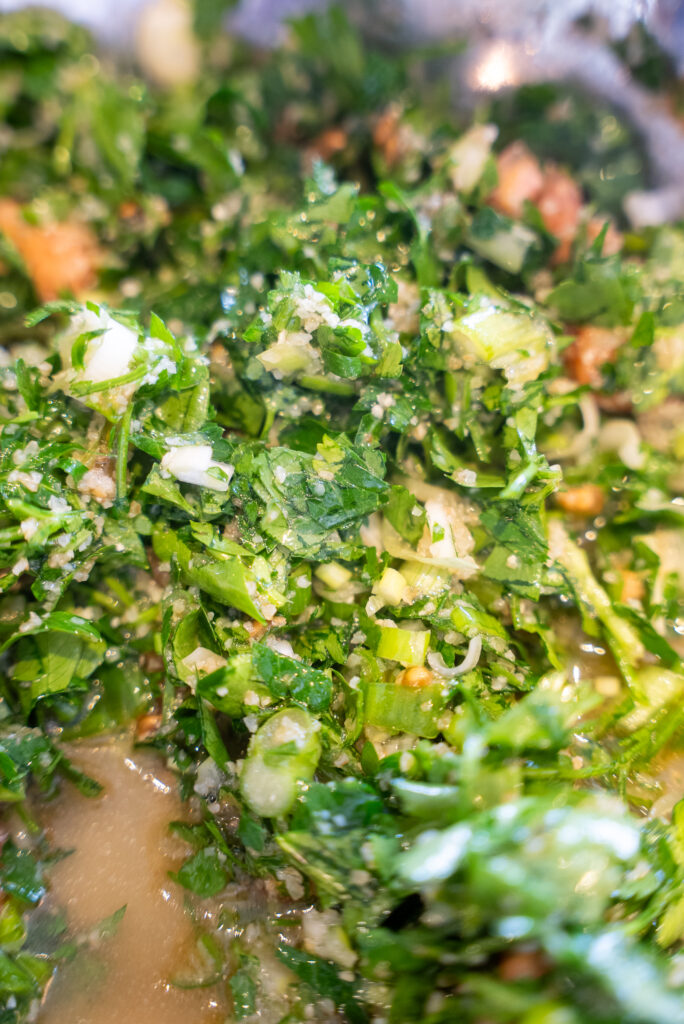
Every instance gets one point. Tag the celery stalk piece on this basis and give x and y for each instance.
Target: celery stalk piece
(624, 641)
(396, 708)
(391, 587)
(333, 575)
(407, 646)
(514, 341)
(282, 754)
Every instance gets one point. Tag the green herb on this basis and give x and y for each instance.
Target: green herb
(372, 497)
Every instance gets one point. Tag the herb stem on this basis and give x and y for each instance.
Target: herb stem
(333, 387)
(517, 486)
(122, 453)
(10, 533)
(120, 591)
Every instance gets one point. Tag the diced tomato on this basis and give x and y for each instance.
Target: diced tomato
(520, 179)
(560, 205)
(592, 347)
(60, 257)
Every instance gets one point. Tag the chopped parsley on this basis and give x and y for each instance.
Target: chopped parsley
(341, 463)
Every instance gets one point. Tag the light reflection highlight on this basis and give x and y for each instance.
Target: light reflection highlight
(498, 68)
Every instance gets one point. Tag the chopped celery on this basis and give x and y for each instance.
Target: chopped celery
(333, 575)
(514, 341)
(468, 156)
(623, 639)
(282, 754)
(652, 687)
(384, 327)
(424, 580)
(407, 646)
(391, 587)
(396, 708)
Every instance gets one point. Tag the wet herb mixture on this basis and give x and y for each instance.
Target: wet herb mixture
(341, 460)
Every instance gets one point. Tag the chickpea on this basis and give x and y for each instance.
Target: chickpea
(416, 677)
(584, 500)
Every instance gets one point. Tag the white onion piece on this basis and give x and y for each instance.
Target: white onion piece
(622, 436)
(190, 464)
(436, 661)
(590, 429)
(394, 544)
(166, 45)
